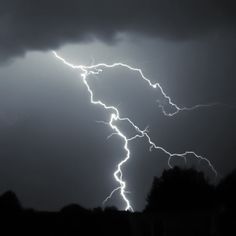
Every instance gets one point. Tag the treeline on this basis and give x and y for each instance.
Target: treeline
(180, 202)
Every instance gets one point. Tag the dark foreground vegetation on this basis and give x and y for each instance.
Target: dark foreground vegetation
(181, 202)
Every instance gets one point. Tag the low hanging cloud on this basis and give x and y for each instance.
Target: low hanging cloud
(42, 25)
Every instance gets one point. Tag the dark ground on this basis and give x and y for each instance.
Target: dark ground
(181, 202)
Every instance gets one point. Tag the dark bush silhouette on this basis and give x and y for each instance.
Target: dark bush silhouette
(73, 209)
(181, 202)
(111, 209)
(180, 189)
(226, 218)
(227, 191)
(9, 203)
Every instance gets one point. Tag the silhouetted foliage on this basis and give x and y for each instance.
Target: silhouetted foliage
(227, 191)
(97, 210)
(74, 209)
(180, 189)
(111, 209)
(181, 202)
(9, 203)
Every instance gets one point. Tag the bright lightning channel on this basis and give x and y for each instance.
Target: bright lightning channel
(115, 116)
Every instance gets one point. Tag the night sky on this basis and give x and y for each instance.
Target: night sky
(52, 149)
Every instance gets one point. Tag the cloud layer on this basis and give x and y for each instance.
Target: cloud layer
(42, 25)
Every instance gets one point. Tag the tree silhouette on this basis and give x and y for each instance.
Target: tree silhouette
(73, 209)
(226, 218)
(9, 203)
(227, 191)
(180, 189)
(180, 202)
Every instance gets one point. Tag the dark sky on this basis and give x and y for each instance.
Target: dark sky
(52, 150)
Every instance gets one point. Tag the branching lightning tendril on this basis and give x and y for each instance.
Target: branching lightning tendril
(86, 71)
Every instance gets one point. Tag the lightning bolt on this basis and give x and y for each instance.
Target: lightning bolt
(115, 116)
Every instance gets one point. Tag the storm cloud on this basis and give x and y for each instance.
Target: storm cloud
(42, 25)
(52, 150)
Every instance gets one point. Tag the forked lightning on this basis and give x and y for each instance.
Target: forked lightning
(115, 116)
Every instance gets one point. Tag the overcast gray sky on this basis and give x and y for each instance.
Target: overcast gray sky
(52, 150)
